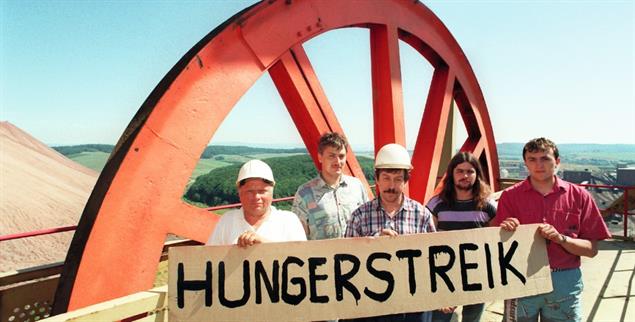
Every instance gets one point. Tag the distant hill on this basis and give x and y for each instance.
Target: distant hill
(218, 186)
(208, 153)
(572, 152)
(40, 189)
(214, 150)
(69, 150)
(94, 156)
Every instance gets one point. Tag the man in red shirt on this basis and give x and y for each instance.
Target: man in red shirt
(571, 223)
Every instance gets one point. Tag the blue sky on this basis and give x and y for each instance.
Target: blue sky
(75, 72)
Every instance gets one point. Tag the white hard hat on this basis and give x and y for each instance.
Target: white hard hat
(255, 169)
(392, 156)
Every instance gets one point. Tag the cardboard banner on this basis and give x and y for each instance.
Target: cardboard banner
(357, 277)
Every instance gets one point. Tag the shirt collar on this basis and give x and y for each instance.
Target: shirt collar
(323, 184)
(559, 184)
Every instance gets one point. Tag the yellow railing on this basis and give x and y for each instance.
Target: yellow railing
(27, 294)
(143, 306)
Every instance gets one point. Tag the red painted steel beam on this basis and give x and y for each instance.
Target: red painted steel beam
(388, 115)
(429, 145)
(308, 106)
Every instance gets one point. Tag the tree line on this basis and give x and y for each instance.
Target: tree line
(209, 152)
(68, 150)
(218, 187)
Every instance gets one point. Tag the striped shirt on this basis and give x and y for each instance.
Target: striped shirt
(370, 218)
(461, 215)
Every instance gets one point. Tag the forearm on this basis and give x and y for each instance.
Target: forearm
(578, 246)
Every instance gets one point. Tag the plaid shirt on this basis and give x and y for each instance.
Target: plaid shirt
(370, 218)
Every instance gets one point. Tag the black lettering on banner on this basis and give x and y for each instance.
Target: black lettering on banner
(488, 261)
(341, 281)
(196, 285)
(466, 266)
(382, 275)
(293, 299)
(410, 254)
(272, 285)
(433, 252)
(314, 262)
(504, 262)
(221, 286)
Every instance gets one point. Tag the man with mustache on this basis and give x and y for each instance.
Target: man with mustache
(325, 203)
(462, 203)
(392, 213)
(257, 221)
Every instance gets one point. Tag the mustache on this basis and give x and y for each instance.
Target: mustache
(390, 191)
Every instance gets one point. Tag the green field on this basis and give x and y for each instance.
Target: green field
(206, 165)
(97, 160)
(92, 160)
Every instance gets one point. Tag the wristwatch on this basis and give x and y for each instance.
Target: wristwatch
(563, 239)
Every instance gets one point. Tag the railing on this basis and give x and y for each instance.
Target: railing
(504, 184)
(625, 201)
(28, 294)
(151, 305)
(55, 230)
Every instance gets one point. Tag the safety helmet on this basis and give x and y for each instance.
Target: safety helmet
(393, 156)
(255, 169)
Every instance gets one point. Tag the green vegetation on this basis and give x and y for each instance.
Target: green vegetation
(212, 182)
(69, 150)
(218, 187)
(206, 165)
(214, 150)
(94, 160)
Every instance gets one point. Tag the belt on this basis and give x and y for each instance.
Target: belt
(562, 269)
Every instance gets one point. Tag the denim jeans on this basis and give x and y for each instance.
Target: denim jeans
(469, 313)
(564, 303)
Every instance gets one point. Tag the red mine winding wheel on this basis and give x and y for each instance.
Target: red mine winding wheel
(137, 200)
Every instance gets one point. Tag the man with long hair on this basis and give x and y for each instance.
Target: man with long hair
(462, 203)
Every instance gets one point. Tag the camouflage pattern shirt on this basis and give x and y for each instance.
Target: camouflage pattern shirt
(326, 210)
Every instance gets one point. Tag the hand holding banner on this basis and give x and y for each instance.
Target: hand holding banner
(357, 277)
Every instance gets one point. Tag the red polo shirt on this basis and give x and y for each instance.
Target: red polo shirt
(569, 208)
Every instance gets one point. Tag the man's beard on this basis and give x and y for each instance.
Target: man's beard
(465, 188)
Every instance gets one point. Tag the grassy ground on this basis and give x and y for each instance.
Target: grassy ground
(92, 160)
(97, 160)
(206, 165)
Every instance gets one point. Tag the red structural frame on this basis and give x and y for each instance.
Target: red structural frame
(137, 199)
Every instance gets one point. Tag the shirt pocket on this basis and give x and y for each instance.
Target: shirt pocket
(567, 222)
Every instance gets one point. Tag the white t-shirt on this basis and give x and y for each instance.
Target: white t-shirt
(279, 226)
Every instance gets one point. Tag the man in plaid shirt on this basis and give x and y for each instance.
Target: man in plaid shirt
(392, 213)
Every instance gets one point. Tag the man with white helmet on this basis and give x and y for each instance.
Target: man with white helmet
(257, 221)
(392, 213)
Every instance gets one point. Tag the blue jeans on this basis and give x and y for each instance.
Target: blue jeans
(402, 317)
(469, 313)
(564, 303)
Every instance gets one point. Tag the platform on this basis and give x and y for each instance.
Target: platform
(608, 285)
